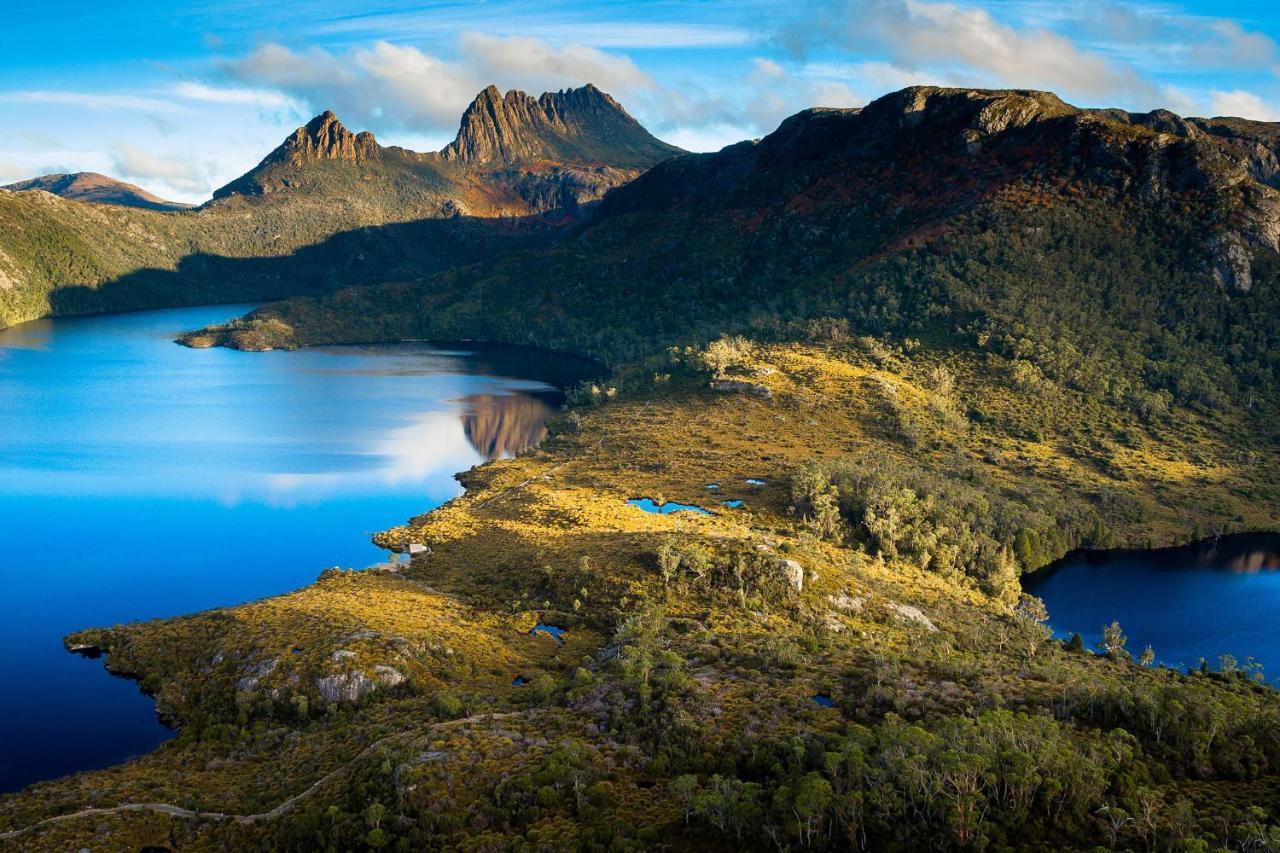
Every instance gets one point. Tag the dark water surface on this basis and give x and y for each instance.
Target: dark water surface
(1215, 597)
(142, 479)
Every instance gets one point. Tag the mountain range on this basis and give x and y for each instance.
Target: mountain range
(1135, 250)
(519, 169)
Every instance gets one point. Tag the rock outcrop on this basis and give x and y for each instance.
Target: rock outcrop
(583, 125)
(324, 138)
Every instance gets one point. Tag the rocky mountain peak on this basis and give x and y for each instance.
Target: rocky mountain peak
(582, 125)
(984, 111)
(325, 138)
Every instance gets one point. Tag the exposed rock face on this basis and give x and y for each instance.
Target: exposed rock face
(1232, 266)
(794, 574)
(738, 386)
(911, 613)
(580, 124)
(97, 189)
(354, 686)
(388, 675)
(847, 603)
(826, 157)
(561, 150)
(323, 138)
(256, 673)
(345, 687)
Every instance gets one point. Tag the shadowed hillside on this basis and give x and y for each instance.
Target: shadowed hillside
(543, 162)
(1128, 255)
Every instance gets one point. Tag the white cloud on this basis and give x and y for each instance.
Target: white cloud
(1229, 45)
(542, 66)
(11, 173)
(137, 164)
(712, 138)
(95, 101)
(398, 87)
(266, 98)
(776, 91)
(917, 34)
(1092, 52)
(1241, 104)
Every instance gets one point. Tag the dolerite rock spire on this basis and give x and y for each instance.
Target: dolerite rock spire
(322, 138)
(582, 125)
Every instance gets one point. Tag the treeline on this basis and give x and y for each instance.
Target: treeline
(950, 520)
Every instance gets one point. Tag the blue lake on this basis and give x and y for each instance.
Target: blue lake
(1187, 603)
(140, 479)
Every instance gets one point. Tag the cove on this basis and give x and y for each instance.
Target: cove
(1213, 597)
(141, 479)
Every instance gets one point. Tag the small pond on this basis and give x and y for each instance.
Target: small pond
(1215, 597)
(648, 505)
(555, 632)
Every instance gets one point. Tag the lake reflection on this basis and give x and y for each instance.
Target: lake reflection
(142, 479)
(1215, 597)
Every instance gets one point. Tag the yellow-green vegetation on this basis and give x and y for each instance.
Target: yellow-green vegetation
(876, 566)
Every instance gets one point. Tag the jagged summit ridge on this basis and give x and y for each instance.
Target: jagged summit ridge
(325, 138)
(580, 128)
(517, 127)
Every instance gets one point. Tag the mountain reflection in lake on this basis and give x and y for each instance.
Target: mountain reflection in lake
(141, 479)
(502, 426)
(1215, 597)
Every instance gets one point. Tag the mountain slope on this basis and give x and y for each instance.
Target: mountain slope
(325, 208)
(99, 189)
(1100, 246)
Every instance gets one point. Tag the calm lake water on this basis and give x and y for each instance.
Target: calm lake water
(141, 479)
(1187, 603)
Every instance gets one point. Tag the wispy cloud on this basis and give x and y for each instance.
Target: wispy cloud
(95, 101)
(967, 41)
(556, 27)
(1094, 51)
(266, 98)
(392, 86)
(515, 58)
(135, 163)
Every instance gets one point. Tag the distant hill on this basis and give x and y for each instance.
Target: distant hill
(329, 208)
(96, 188)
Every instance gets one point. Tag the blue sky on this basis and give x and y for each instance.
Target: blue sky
(181, 96)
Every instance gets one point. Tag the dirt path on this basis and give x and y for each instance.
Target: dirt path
(178, 811)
